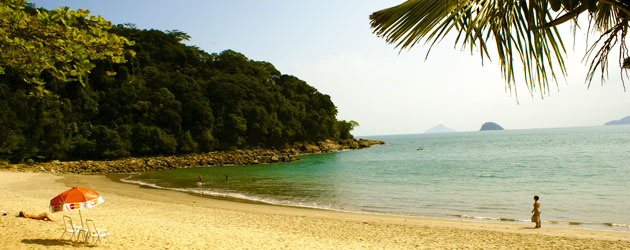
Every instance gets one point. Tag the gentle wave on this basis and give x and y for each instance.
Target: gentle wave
(240, 196)
(141, 183)
(570, 223)
(617, 225)
(463, 216)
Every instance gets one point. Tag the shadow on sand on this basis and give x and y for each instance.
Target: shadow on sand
(48, 242)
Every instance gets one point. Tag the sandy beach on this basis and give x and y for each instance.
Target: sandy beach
(145, 218)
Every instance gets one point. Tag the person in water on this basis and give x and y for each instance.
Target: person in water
(200, 182)
(536, 211)
(42, 216)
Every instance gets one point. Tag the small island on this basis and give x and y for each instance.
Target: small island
(490, 126)
(439, 129)
(622, 121)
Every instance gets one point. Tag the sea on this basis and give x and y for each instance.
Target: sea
(581, 174)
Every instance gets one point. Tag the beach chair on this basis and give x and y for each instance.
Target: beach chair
(99, 234)
(70, 228)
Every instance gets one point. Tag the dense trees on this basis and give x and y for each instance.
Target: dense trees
(60, 43)
(167, 99)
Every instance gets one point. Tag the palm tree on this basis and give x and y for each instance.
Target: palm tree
(523, 29)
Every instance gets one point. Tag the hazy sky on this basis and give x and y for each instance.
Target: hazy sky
(329, 44)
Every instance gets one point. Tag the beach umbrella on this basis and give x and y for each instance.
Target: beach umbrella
(76, 198)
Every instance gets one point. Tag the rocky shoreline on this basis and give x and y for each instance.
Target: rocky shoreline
(217, 158)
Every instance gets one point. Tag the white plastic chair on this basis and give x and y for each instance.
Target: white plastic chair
(99, 234)
(70, 228)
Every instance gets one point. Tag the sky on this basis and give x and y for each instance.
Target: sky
(330, 45)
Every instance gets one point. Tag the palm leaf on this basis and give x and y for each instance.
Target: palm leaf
(520, 30)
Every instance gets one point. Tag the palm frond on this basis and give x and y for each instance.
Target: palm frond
(610, 18)
(519, 29)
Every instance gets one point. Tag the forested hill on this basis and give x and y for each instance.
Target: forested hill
(168, 99)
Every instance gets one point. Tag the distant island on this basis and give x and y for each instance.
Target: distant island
(622, 121)
(490, 126)
(439, 129)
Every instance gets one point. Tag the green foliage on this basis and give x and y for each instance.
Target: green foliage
(170, 98)
(61, 43)
(520, 30)
(109, 144)
(151, 140)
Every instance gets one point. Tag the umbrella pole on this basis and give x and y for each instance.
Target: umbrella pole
(82, 227)
(81, 217)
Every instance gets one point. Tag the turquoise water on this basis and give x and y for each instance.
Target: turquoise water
(581, 174)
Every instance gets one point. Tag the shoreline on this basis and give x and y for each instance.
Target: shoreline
(145, 218)
(215, 158)
(454, 217)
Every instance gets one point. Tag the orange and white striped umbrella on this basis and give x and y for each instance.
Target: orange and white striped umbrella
(76, 198)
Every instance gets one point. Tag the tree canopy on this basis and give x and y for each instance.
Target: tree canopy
(522, 30)
(168, 98)
(60, 43)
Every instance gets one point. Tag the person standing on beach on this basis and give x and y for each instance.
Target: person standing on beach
(536, 211)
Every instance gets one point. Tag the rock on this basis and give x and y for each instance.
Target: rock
(237, 157)
(368, 143)
(329, 146)
(310, 148)
(490, 126)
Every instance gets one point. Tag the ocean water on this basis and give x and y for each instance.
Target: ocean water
(581, 174)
